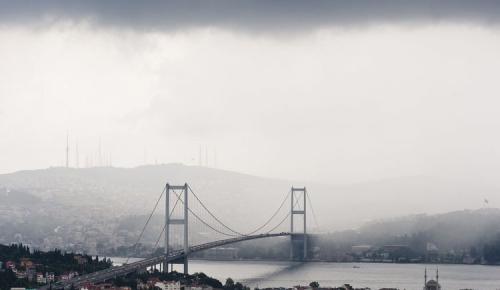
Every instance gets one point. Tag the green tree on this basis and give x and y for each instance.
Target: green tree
(229, 284)
(239, 286)
(491, 252)
(314, 284)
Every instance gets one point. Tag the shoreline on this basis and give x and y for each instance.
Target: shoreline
(314, 261)
(335, 262)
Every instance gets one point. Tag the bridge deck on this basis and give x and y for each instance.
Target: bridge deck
(117, 271)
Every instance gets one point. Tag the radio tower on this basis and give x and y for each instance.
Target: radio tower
(67, 150)
(77, 156)
(199, 157)
(206, 156)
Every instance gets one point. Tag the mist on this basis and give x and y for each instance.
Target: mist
(335, 93)
(334, 105)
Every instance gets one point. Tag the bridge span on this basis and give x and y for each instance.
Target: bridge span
(184, 219)
(117, 271)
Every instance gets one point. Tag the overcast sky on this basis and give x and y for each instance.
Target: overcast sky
(332, 91)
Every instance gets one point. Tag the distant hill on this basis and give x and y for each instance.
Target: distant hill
(17, 198)
(467, 236)
(86, 203)
(125, 191)
(133, 191)
(458, 229)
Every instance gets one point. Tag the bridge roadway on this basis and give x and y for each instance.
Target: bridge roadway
(117, 271)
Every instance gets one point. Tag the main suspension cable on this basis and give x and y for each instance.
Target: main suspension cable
(312, 210)
(284, 219)
(281, 222)
(272, 217)
(212, 215)
(202, 221)
(146, 224)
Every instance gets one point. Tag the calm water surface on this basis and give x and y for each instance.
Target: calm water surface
(375, 276)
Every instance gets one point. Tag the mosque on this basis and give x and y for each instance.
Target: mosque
(431, 284)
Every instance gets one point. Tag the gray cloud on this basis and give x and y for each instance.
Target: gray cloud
(275, 15)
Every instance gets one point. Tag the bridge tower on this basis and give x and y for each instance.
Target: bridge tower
(176, 222)
(298, 245)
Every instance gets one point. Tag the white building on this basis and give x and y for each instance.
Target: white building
(50, 277)
(168, 285)
(198, 287)
(40, 279)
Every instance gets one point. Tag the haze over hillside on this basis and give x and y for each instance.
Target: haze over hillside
(132, 191)
(103, 208)
(466, 236)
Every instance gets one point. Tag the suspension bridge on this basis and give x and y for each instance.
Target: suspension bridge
(190, 227)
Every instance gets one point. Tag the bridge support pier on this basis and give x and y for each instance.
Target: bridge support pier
(186, 270)
(169, 190)
(298, 240)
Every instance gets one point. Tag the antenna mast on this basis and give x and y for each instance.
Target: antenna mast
(77, 156)
(67, 150)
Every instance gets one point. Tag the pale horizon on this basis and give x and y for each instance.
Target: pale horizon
(334, 93)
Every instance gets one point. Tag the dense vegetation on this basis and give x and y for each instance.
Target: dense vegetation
(56, 261)
(185, 279)
(491, 252)
(455, 237)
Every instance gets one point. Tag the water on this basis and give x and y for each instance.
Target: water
(375, 276)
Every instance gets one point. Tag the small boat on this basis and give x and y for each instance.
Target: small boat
(356, 267)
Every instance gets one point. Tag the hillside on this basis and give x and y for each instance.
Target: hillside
(95, 208)
(448, 237)
(458, 229)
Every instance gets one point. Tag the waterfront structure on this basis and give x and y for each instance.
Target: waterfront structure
(360, 249)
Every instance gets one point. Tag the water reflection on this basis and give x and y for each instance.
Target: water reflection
(402, 276)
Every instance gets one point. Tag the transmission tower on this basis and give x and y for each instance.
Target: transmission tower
(67, 150)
